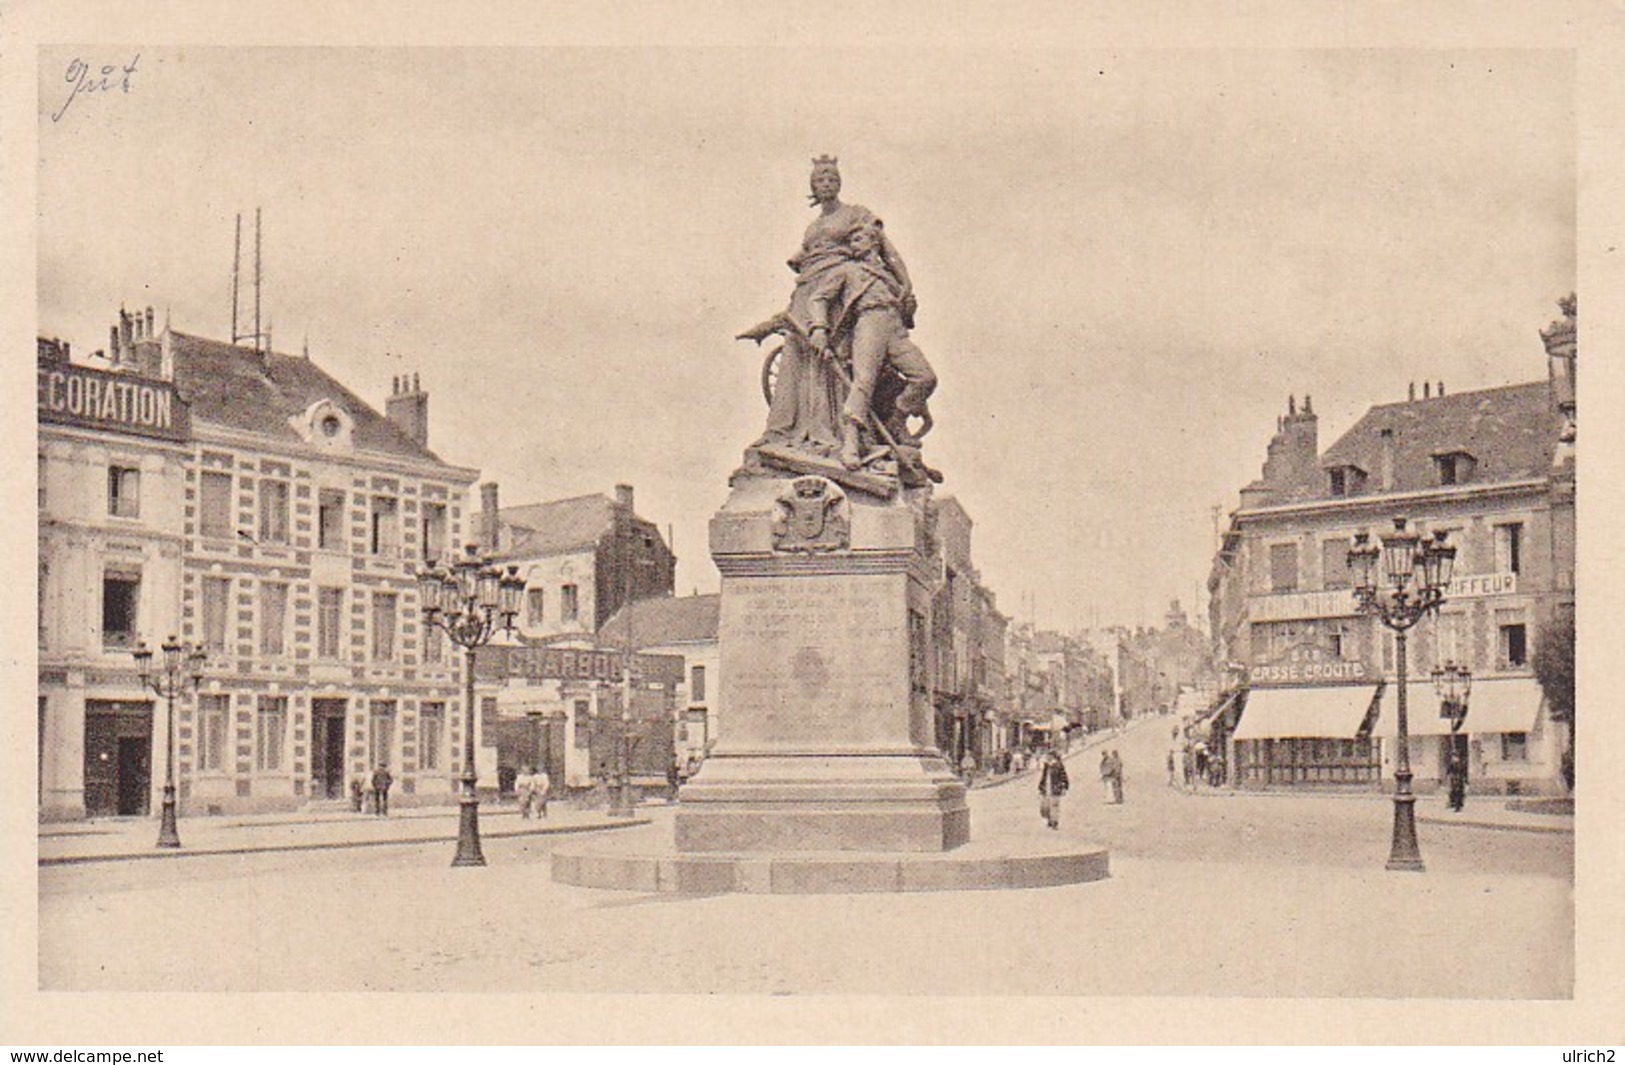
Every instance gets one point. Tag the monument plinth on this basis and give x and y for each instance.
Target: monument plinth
(827, 741)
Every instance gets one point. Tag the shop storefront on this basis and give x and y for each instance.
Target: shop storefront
(1307, 735)
(1510, 744)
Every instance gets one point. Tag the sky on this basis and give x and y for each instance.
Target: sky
(1125, 260)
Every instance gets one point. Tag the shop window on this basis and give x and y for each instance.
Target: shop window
(123, 492)
(273, 618)
(44, 599)
(583, 725)
(214, 505)
(535, 600)
(696, 684)
(330, 520)
(386, 527)
(329, 622)
(569, 606)
(213, 714)
(1509, 548)
(1513, 652)
(216, 608)
(273, 512)
(383, 627)
(1514, 746)
(121, 594)
(434, 530)
(1283, 567)
(270, 729)
(431, 734)
(382, 731)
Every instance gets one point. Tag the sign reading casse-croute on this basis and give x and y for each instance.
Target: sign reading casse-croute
(1308, 663)
(96, 399)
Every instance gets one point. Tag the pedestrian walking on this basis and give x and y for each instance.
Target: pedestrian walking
(1052, 785)
(524, 789)
(1117, 778)
(1181, 769)
(357, 794)
(541, 786)
(1171, 767)
(381, 780)
(1456, 775)
(1106, 774)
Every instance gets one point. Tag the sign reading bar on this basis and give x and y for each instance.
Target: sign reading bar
(1308, 663)
(96, 399)
(570, 663)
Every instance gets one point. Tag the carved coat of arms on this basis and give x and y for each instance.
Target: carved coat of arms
(813, 516)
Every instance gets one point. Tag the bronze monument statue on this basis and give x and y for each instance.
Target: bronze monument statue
(847, 380)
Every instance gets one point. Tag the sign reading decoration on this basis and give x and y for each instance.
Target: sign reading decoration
(96, 399)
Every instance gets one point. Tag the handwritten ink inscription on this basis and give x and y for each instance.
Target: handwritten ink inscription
(87, 79)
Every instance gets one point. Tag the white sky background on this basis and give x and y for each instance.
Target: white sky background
(1125, 261)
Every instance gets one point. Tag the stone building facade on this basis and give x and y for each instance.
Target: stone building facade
(297, 514)
(1492, 469)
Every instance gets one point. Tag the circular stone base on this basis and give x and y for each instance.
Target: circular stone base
(646, 864)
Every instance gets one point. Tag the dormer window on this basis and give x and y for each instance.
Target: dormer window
(325, 424)
(1346, 480)
(1454, 467)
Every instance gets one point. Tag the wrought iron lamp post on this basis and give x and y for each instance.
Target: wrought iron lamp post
(470, 599)
(1399, 583)
(1454, 685)
(179, 658)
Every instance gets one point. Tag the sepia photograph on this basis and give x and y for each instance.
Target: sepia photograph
(680, 518)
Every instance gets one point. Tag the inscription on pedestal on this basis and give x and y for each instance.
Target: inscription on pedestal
(815, 661)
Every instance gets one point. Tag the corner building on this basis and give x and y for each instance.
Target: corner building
(1494, 469)
(298, 517)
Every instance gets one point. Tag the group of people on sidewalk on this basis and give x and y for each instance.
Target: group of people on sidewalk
(370, 794)
(1053, 783)
(1192, 762)
(533, 787)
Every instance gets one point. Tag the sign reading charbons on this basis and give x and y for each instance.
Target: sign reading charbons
(96, 399)
(566, 663)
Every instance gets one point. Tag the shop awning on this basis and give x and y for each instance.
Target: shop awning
(1508, 704)
(1293, 713)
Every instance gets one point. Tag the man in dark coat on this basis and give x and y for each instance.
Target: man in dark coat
(1052, 784)
(1456, 775)
(381, 780)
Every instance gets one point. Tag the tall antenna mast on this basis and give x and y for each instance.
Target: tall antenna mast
(258, 338)
(236, 266)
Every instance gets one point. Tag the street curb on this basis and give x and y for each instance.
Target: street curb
(1550, 830)
(276, 848)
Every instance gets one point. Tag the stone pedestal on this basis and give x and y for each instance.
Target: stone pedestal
(826, 730)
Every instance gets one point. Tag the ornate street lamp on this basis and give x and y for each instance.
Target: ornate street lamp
(182, 664)
(1454, 685)
(1399, 583)
(470, 599)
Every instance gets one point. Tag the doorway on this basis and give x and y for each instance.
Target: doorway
(118, 758)
(327, 727)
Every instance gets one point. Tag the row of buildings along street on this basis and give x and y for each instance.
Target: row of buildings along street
(247, 502)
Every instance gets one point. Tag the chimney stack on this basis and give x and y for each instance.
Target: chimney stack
(490, 533)
(623, 497)
(1410, 396)
(1427, 390)
(408, 409)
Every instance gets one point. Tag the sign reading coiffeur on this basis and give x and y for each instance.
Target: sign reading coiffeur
(96, 399)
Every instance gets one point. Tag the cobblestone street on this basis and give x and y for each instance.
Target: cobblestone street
(1210, 894)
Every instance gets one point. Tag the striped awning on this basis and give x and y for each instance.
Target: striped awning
(1505, 704)
(1304, 713)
